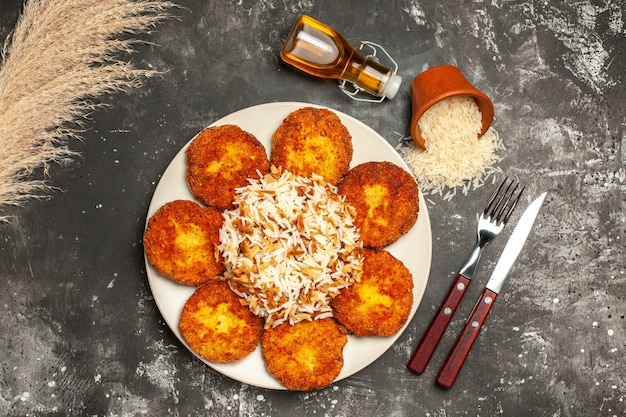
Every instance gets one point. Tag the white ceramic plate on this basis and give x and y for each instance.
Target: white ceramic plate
(414, 249)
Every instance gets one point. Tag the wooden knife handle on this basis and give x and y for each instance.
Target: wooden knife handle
(453, 364)
(433, 335)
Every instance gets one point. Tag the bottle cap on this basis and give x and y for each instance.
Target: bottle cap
(392, 86)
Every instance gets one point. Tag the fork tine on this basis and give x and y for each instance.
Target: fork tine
(501, 206)
(512, 205)
(502, 203)
(491, 201)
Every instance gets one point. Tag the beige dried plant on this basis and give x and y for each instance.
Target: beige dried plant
(61, 59)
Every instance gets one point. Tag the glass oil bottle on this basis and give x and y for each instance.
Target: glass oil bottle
(320, 50)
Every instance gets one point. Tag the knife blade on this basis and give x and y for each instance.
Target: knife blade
(454, 362)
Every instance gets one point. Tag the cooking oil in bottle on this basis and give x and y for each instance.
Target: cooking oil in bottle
(320, 50)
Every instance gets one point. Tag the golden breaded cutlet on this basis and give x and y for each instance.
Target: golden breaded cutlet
(312, 140)
(304, 356)
(220, 159)
(181, 242)
(386, 200)
(217, 326)
(380, 304)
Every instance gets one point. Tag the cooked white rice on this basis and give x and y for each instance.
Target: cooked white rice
(289, 247)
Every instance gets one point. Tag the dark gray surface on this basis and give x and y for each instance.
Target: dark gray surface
(80, 332)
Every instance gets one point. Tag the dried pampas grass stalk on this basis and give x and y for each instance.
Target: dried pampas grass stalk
(62, 57)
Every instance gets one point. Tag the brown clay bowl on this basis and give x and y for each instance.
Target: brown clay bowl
(438, 83)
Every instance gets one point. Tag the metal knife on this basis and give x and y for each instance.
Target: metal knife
(451, 367)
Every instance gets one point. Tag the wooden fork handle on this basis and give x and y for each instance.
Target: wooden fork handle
(454, 362)
(433, 335)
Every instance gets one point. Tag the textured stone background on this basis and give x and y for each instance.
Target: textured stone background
(80, 334)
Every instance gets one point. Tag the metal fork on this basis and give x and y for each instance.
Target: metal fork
(490, 223)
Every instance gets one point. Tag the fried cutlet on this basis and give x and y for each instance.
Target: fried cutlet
(217, 326)
(380, 304)
(312, 140)
(181, 241)
(386, 200)
(220, 159)
(304, 356)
